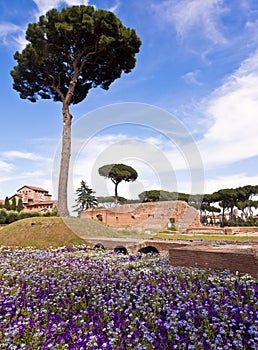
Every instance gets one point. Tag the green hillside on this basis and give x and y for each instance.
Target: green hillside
(38, 232)
(84, 228)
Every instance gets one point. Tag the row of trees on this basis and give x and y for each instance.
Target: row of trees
(13, 205)
(11, 211)
(228, 199)
(9, 216)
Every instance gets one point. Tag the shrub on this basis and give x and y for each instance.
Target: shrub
(3, 215)
(29, 214)
(12, 216)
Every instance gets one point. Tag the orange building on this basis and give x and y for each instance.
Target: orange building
(34, 198)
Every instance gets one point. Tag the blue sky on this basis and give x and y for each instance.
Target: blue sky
(186, 117)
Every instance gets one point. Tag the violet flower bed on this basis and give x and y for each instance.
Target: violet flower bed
(77, 299)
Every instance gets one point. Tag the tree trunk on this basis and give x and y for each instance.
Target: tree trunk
(64, 164)
(223, 216)
(116, 199)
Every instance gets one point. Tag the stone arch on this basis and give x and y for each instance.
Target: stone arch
(121, 249)
(148, 249)
(99, 246)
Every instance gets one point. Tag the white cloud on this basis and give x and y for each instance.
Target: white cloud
(17, 179)
(190, 15)
(231, 181)
(232, 108)
(114, 7)
(4, 166)
(11, 34)
(23, 155)
(156, 160)
(46, 5)
(7, 28)
(192, 78)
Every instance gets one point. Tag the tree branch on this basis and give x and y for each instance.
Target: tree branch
(56, 88)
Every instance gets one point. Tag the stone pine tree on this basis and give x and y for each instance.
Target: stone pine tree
(85, 198)
(117, 173)
(68, 53)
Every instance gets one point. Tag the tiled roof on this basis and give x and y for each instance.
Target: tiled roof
(15, 195)
(34, 188)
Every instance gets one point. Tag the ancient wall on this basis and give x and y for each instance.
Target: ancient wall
(222, 230)
(234, 261)
(144, 216)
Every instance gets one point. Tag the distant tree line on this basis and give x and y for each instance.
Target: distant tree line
(12, 205)
(228, 199)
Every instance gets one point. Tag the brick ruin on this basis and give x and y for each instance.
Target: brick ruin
(147, 216)
(234, 258)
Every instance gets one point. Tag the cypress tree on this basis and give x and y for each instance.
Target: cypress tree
(20, 205)
(13, 204)
(7, 204)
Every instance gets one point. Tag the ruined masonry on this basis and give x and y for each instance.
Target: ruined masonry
(147, 216)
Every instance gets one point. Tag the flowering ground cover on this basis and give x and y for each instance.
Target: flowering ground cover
(79, 299)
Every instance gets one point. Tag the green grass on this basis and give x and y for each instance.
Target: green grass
(88, 228)
(38, 232)
(207, 237)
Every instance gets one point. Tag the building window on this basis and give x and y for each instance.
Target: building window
(99, 217)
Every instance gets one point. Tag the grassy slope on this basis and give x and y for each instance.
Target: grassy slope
(56, 232)
(38, 232)
(88, 228)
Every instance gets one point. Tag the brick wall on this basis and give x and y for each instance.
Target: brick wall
(144, 216)
(242, 262)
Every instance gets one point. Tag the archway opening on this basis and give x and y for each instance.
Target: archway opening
(120, 249)
(99, 246)
(148, 250)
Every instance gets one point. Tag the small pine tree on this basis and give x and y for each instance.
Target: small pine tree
(20, 205)
(13, 204)
(85, 198)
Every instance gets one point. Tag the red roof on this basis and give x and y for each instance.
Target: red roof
(34, 188)
(15, 195)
